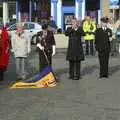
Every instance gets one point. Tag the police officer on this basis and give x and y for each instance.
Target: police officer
(45, 47)
(89, 27)
(102, 44)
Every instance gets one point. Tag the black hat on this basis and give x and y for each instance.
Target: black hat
(104, 19)
(44, 26)
(107, 18)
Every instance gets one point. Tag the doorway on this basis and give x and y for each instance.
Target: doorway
(67, 19)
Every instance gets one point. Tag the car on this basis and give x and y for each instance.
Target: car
(31, 27)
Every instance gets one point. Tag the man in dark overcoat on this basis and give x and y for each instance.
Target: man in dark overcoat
(45, 47)
(102, 44)
(75, 52)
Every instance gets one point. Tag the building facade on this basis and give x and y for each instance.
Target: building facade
(40, 10)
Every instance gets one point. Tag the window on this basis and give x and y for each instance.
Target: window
(26, 26)
(114, 2)
(31, 26)
(92, 4)
(13, 27)
(68, 2)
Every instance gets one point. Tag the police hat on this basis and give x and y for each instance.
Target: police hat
(104, 20)
(44, 26)
(107, 18)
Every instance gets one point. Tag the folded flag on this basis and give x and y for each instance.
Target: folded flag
(44, 79)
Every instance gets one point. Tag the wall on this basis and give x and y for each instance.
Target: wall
(105, 8)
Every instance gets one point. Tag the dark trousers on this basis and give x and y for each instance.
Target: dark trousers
(89, 47)
(104, 61)
(44, 61)
(74, 68)
(1, 74)
(113, 47)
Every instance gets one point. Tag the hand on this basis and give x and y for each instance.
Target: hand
(29, 51)
(53, 53)
(39, 46)
(42, 48)
(110, 39)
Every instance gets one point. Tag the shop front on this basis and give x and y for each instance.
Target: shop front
(40, 11)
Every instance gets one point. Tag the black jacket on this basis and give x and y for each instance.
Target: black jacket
(102, 39)
(75, 48)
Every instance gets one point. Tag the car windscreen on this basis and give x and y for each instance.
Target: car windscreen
(31, 26)
(12, 28)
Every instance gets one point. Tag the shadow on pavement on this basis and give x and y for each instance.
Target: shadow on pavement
(89, 70)
(114, 69)
(85, 71)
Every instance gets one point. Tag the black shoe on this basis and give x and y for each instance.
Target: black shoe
(101, 76)
(104, 76)
(70, 77)
(76, 78)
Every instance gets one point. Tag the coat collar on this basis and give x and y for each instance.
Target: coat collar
(19, 34)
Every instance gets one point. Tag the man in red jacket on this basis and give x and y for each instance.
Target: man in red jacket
(4, 51)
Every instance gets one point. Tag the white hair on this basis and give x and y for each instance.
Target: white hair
(0, 31)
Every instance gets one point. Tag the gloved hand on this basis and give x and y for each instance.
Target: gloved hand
(39, 46)
(54, 51)
(29, 51)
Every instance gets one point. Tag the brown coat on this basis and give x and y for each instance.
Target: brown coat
(46, 42)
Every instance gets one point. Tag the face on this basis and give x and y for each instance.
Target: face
(44, 32)
(19, 28)
(74, 22)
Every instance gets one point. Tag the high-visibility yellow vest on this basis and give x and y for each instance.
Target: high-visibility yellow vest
(89, 28)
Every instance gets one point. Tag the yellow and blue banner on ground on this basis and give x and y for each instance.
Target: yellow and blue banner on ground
(45, 79)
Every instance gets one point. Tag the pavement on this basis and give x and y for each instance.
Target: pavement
(90, 98)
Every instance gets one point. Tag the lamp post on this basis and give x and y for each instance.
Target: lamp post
(5, 12)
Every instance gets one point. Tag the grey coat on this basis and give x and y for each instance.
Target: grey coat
(21, 45)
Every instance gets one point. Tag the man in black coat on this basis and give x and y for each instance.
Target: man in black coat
(45, 46)
(102, 43)
(75, 52)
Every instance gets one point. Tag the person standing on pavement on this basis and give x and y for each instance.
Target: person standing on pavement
(52, 24)
(75, 52)
(102, 44)
(45, 47)
(4, 51)
(21, 48)
(89, 27)
(113, 40)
